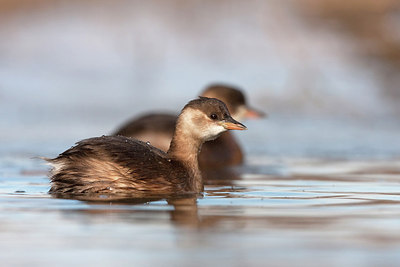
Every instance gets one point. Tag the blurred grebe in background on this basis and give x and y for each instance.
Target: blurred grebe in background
(158, 128)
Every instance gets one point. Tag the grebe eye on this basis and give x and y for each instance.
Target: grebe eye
(214, 116)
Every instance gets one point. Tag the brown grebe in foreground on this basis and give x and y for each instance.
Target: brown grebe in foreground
(116, 164)
(158, 128)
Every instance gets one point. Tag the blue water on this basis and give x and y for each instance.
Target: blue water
(307, 215)
(321, 181)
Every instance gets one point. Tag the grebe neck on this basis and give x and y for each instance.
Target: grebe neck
(185, 148)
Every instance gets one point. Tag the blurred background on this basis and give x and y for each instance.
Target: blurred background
(326, 72)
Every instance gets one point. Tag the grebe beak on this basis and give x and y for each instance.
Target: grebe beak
(230, 124)
(252, 113)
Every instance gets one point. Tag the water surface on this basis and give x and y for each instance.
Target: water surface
(321, 184)
(295, 212)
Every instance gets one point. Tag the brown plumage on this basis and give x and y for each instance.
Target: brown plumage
(116, 164)
(158, 128)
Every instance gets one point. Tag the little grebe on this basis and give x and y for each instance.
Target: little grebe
(158, 128)
(116, 164)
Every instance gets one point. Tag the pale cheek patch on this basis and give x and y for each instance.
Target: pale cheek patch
(198, 124)
(213, 132)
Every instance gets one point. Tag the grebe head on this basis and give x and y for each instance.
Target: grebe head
(206, 118)
(234, 99)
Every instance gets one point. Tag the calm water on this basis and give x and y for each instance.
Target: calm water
(292, 212)
(321, 185)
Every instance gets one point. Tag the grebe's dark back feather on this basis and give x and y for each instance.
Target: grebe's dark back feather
(116, 164)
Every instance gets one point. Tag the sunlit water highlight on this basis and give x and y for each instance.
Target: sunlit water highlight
(321, 184)
(306, 213)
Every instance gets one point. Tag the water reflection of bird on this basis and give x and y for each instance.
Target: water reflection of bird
(158, 128)
(183, 212)
(116, 164)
